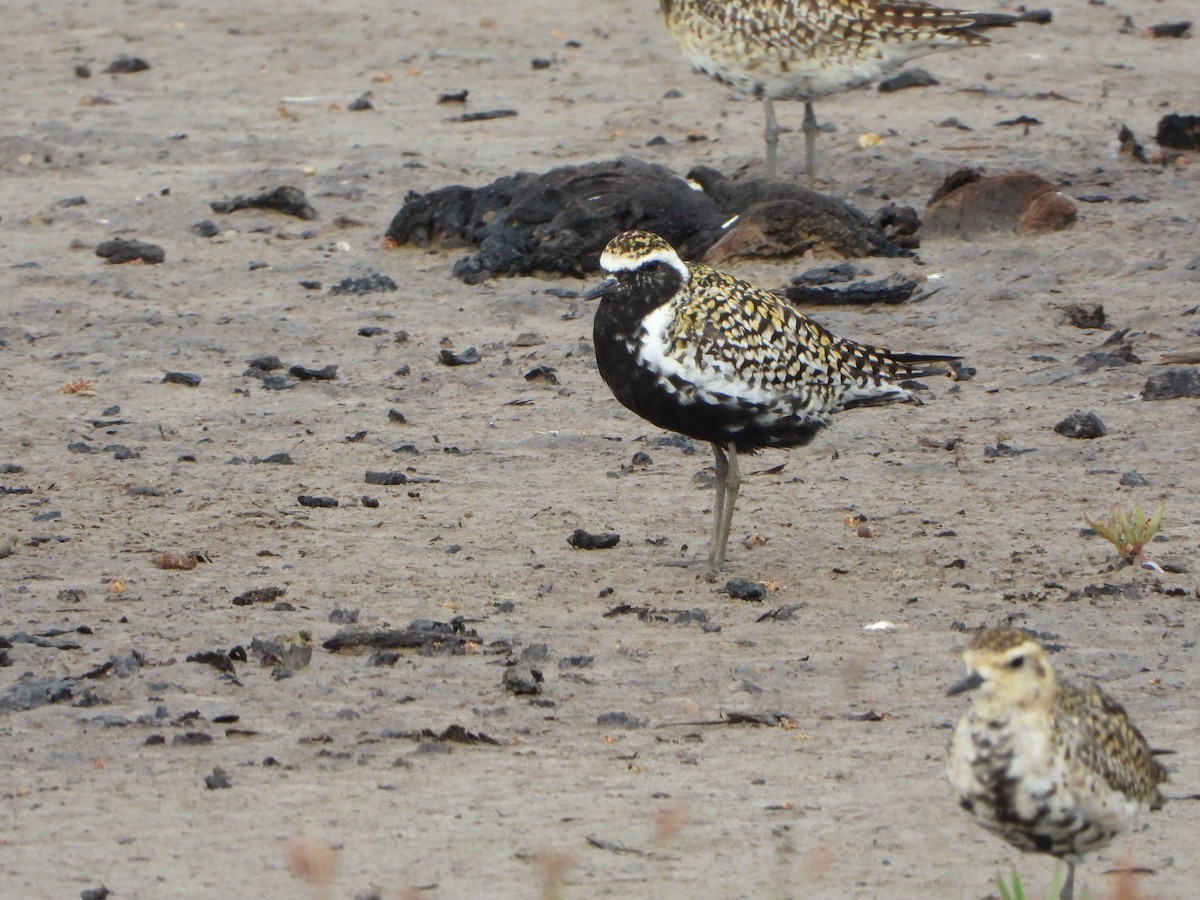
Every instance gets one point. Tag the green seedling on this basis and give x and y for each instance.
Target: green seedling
(1128, 532)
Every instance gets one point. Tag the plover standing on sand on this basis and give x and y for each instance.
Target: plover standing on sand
(1048, 765)
(809, 49)
(717, 359)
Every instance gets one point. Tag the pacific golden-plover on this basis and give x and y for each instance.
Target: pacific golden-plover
(1048, 765)
(809, 49)
(717, 359)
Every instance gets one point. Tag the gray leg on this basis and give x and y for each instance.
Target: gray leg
(772, 136)
(729, 482)
(1068, 888)
(810, 144)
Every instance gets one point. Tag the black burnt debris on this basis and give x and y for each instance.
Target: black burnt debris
(581, 539)
(288, 200)
(123, 250)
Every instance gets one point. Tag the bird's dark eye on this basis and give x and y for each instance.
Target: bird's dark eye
(1016, 662)
(652, 267)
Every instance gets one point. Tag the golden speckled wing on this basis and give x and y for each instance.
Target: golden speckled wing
(1111, 745)
(749, 343)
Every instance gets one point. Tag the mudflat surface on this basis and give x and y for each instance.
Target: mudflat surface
(328, 770)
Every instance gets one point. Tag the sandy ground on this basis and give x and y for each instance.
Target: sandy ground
(843, 804)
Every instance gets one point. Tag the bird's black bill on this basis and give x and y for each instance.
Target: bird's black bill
(969, 683)
(601, 289)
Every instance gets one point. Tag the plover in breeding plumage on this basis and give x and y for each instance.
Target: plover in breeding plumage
(1048, 765)
(715, 358)
(809, 49)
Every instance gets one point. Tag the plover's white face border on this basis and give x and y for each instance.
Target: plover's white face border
(614, 262)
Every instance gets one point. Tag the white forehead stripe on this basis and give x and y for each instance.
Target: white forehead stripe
(622, 262)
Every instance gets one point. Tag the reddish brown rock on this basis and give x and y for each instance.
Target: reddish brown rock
(969, 204)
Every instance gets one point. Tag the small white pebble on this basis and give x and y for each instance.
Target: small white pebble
(885, 625)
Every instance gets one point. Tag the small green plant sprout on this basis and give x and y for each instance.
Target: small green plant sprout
(1128, 532)
(1014, 890)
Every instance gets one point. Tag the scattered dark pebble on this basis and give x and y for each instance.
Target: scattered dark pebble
(1085, 315)
(124, 65)
(320, 502)
(371, 331)
(310, 285)
(360, 104)
(185, 378)
(385, 478)
(369, 502)
(383, 658)
(745, 589)
(468, 357)
(1003, 451)
(896, 288)
(155, 740)
(522, 679)
(454, 97)
(288, 200)
(192, 738)
(394, 415)
(217, 780)
(1170, 384)
(218, 659)
(340, 616)
(485, 115)
(542, 375)
(96, 893)
(620, 719)
(1081, 425)
(375, 283)
(540, 63)
(1178, 132)
(283, 458)
(83, 71)
(584, 540)
(1166, 30)
(420, 633)
(205, 228)
(122, 250)
(1134, 479)
(1036, 16)
(781, 614)
(265, 363)
(326, 373)
(908, 78)
(869, 716)
(77, 200)
(259, 595)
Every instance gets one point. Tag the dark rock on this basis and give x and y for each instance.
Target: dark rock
(218, 659)
(1167, 30)
(1081, 425)
(265, 363)
(96, 893)
(745, 589)
(1178, 132)
(371, 331)
(192, 739)
(1134, 479)
(895, 288)
(369, 502)
(1036, 16)
(122, 250)
(908, 78)
(217, 780)
(1084, 315)
(468, 357)
(385, 478)
(288, 200)
(394, 415)
(485, 115)
(361, 103)
(375, 283)
(1099, 359)
(420, 633)
(522, 679)
(339, 616)
(185, 378)
(282, 458)
(968, 205)
(326, 373)
(542, 375)
(620, 719)
(317, 502)
(584, 540)
(30, 693)
(125, 65)
(1172, 384)
(259, 595)
(205, 228)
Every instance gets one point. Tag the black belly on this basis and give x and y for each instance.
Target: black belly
(734, 422)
